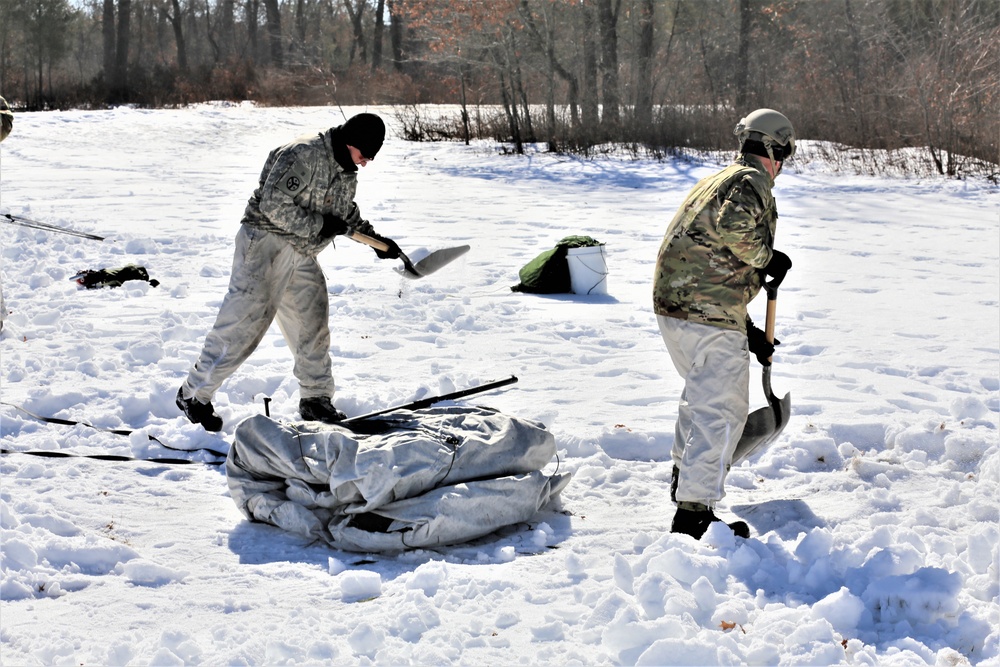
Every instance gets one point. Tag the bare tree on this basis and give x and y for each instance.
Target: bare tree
(227, 24)
(300, 25)
(274, 33)
(377, 37)
(743, 55)
(252, 10)
(543, 40)
(950, 69)
(173, 13)
(607, 21)
(861, 73)
(121, 87)
(396, 34)
(356, 14)
(644, 58)
(590, 110)
(44, 40)
(7, 37)
(108, 33)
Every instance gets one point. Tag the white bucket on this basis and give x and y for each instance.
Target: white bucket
(588, 270)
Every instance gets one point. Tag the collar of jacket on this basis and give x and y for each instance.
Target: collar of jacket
(751, 160)
(338, 147)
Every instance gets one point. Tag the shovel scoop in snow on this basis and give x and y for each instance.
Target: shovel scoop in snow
(765, 424)
(423, 267)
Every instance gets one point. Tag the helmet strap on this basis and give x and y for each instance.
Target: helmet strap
(770, 151)
(776, 164)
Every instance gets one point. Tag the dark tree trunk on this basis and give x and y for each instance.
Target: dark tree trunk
(644, 97)
(177, 22)
(121, 49)
(607, 18)
(743, 58)
(108, 33)
(377, 37)
(590, 105)
(396, 36)
(227, 23)
(274, 33)
(356, 14)
(253, 27)
(301, 23)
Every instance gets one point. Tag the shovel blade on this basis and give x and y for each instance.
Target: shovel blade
(763, 427)
(434, 261)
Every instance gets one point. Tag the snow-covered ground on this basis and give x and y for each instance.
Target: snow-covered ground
(875, 517)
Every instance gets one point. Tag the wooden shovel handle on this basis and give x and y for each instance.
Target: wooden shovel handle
(368, 241)
(381, 245)
(772, 302)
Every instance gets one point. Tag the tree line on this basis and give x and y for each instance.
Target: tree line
(657, 75)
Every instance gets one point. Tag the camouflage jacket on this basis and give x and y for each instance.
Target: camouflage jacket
(707, 269)
(299, 183)
(6, 119)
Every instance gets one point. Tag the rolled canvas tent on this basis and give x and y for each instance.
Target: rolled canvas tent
(409, 479)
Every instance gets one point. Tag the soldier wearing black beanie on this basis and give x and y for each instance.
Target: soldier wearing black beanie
(366, 132)
(304, 198)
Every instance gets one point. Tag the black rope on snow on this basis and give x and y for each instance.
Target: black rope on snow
(113, 431)
(105, 457)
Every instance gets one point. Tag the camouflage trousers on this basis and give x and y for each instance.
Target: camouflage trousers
(270, 280)
(715, 366)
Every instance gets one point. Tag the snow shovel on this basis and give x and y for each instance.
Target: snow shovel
(421, 268)
(765, 424)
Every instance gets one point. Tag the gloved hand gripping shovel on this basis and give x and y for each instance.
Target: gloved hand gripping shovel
(765, 424)
(421, 268)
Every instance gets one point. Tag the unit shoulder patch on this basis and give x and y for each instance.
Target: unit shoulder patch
(295, 179)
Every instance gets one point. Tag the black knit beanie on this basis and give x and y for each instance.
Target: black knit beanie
(366, 132)
(755, 147)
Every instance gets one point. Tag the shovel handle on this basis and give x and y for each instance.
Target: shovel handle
(383, 246)
(772, 303)
(368, 241)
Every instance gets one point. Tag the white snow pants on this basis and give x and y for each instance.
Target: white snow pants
(270, 279)
(715, 366)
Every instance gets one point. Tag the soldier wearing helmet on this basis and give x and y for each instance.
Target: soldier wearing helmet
(6, 119)
(6, 125)
(711, 263)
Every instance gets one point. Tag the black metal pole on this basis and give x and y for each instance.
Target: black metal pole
(44, 226)
(425, 402)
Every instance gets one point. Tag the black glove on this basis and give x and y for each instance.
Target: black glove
(364, 227)
(757, 341)
(392, 252)
(777, 267)
(332, 226)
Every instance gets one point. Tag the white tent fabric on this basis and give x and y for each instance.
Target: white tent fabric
(400, 481)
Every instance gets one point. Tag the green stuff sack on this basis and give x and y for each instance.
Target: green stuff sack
(548, 273)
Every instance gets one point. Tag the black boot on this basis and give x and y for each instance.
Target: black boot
(199, 413)
(320, 410)
(696, 522)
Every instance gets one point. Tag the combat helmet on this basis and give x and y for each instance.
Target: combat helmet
(769, 130)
